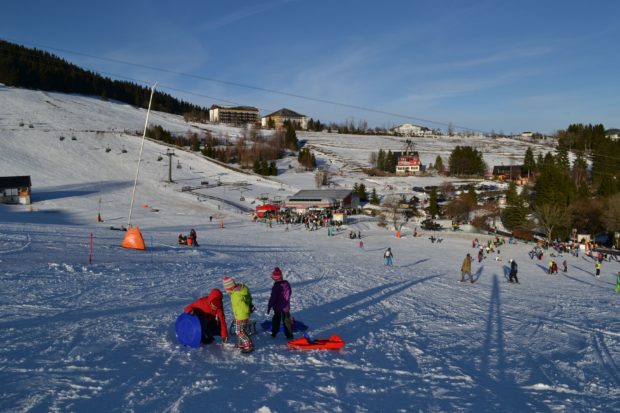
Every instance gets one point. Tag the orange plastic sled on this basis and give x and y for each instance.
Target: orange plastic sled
(133, 239)
(332, 343)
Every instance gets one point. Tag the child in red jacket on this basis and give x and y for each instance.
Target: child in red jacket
(210, 312)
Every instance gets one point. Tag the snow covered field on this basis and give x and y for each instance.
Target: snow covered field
(99, 337)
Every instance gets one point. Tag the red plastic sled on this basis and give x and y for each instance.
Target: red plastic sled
(332, 343)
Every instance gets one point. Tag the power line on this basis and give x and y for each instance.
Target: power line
(252, 87)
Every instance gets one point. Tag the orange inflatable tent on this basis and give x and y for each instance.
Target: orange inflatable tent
(133, 239)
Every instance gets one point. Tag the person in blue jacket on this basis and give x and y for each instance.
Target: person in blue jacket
(280, 303)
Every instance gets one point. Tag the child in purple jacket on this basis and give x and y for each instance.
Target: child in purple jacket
(280, 302)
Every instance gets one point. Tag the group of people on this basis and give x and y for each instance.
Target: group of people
(466, 270)
(210, 311)
(191, 239)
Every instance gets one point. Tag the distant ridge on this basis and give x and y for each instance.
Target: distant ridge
(35, 69)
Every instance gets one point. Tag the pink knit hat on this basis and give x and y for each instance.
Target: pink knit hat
(229, 283)
(276, 275)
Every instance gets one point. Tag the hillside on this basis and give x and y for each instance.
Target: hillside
(80, 334)
(35, 69)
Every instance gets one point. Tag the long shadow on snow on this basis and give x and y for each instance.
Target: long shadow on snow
(414, 263)
(494, 390)
(337, 311)
(47, 217)
(543, 268)
(478, 273)
(84, 314)
(68, 191)
(578, 280)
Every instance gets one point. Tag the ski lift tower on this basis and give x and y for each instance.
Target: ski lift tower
(409, 161)
(169, 154)
(409, 148)
(264, 197)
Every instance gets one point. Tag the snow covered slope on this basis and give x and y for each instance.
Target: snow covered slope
(99, 336)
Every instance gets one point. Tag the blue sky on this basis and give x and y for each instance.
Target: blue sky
(487, 65)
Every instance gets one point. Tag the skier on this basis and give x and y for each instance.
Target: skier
(210, 312)
(480, 254)
(241, 301)
(389, 256)
(550, 267)
(280, 302)
(565, 265)
(466, 269)
(597, 267)
(361, 244)
(617, 283)
(554, 268)
(513, 271)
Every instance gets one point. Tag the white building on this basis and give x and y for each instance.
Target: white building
(409, 129)
(236, 115)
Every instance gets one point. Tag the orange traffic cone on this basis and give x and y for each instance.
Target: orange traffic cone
(133, 239)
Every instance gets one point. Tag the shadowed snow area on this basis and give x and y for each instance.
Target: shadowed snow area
(97, 335)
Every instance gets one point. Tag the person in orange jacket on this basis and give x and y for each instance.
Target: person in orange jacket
(210, 312)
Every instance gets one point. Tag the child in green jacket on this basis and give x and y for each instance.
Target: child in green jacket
(617, 283)
(241, 300)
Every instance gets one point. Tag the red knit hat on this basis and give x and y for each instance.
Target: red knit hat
(276, 275)
(229, 284)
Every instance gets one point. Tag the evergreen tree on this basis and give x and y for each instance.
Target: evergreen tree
(607, 186)
(554, 185)
(465, 160)
(290, 138)
(374, 198)
(361, 190)
(561, 158)
(515, 213)
(439, 164)
(390, 162)
(539, 161)
(381, 160)
(529, 163)
(580, 170)
(433, 206)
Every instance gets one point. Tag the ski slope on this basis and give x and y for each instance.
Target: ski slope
(97, 335)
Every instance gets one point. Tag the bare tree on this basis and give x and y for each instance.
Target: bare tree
(321, 178)
(393, 211)
(553, 216)
(458, 210)
(447, 189)
(373, 159)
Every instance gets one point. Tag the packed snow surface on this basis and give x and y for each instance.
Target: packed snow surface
(96, 333)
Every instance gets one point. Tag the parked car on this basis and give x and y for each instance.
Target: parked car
(430, 225)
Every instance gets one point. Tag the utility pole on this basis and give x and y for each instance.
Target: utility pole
(169, 154)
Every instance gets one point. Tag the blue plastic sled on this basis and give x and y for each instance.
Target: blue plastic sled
(297, 326)
(188, 330)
